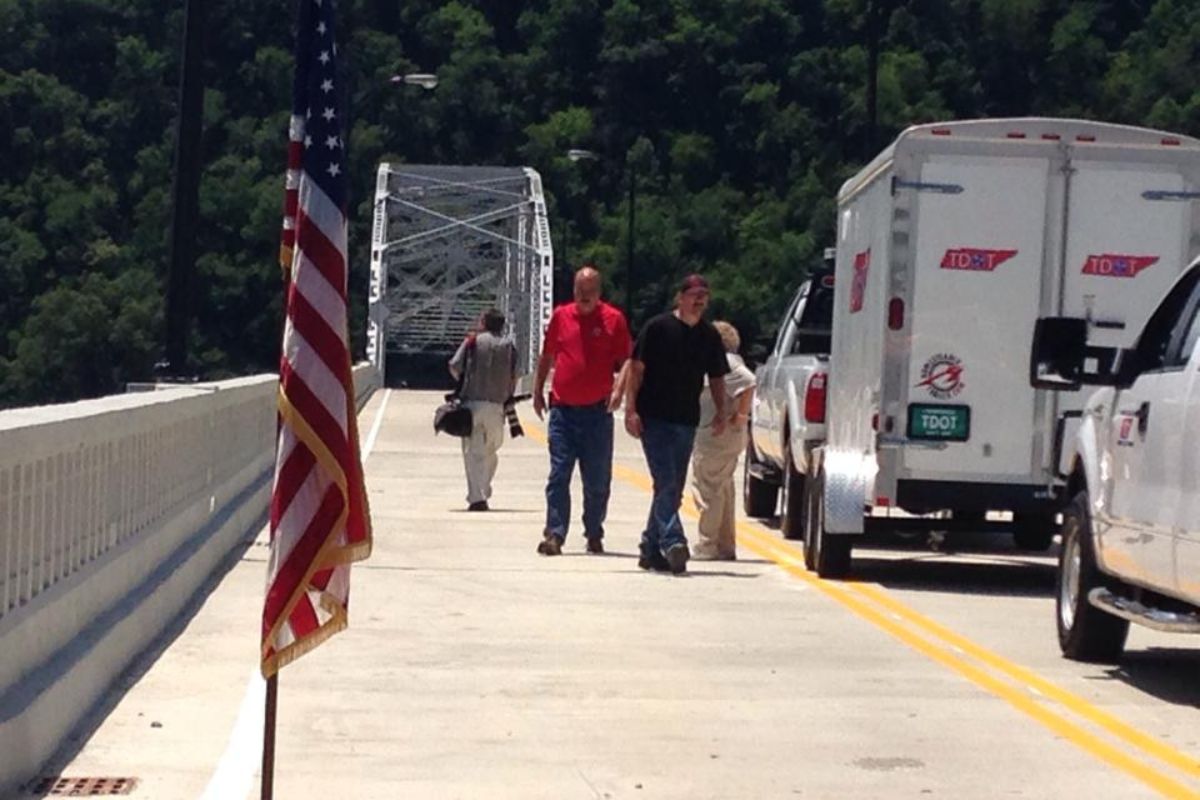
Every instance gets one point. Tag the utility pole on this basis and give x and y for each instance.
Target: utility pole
(630, 279)
(872, 74)
(185, 192)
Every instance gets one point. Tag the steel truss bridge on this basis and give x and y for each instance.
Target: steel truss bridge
(448, 243)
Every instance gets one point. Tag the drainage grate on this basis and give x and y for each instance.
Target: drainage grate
(84, 787)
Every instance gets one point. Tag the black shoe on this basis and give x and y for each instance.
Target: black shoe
(677, 557)
(595, 545)
(478, 505)
(550, 546)
(654, 562)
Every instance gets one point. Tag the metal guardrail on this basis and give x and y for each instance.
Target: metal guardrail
(80, 479)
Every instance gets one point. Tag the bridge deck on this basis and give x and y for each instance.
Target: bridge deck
(475, 668)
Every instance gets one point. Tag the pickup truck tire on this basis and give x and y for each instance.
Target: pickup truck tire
(758, 496)
(1034, 531)
(1085, 633)
(792, 522)
(828, 556)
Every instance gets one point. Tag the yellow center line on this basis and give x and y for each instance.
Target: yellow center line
(1014, 695)
(1122, 730)
(788, 557)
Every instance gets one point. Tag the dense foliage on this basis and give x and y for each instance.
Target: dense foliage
(739, 119)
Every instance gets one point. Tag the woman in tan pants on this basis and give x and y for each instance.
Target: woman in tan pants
(714, 459)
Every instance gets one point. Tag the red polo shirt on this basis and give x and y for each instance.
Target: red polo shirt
(587, 350)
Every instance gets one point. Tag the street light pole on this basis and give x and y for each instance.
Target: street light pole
(630, 294)
(629, 172)
(185, 193)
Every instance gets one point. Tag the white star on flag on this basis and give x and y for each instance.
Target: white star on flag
(328, 115)
(334, 169)
(331, 142)
(327, 85)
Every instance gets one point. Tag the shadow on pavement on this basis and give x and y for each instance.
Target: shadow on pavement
(939, 572)
(1167, 673)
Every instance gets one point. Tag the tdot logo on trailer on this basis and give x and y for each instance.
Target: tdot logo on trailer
(974, 259)
(858, 286)
(942, 375)
(1117, 266)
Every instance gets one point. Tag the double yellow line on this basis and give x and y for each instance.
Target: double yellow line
(1126, 748)
(1026, 691)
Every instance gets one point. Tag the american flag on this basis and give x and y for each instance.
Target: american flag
(319, 517)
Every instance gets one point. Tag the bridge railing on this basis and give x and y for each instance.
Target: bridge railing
(113, 513)
(78, 481)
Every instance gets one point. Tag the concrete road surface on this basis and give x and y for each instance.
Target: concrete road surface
(475, 668)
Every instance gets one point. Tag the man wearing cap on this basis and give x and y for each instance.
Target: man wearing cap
(674, 352)
(586, 342)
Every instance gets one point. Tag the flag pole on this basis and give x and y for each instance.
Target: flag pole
(268, 762)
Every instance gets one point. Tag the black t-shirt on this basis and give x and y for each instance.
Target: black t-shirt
(677, 357)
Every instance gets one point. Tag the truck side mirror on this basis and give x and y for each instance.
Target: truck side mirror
(1059, 347)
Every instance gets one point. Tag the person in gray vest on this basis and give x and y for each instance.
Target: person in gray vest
(487, 363)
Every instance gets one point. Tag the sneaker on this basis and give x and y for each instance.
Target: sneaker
(550, 546)
(677, 558)
(478, 505)
(654, 562)
(595, 545)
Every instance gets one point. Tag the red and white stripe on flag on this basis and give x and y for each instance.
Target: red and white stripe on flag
(320, 523)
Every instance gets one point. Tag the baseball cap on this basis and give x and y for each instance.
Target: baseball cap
(693, 281)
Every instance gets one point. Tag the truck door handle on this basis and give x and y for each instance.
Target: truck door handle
(1143, 416)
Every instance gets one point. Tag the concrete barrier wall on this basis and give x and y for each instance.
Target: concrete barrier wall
(113, 514)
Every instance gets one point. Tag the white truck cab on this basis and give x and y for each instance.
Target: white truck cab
(1131, 528)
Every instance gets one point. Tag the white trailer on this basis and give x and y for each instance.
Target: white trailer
(951, 244)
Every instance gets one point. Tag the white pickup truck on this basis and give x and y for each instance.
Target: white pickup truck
(1131, 526)
(788, 415)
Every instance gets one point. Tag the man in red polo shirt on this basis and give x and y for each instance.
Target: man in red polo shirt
(586, 343)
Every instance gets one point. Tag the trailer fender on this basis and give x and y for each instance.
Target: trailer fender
(846, 481)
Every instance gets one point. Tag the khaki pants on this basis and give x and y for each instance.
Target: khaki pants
(480, 449)
(713, 463)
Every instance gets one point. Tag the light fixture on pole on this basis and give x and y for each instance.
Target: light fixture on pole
(426, 80)
(577, 154)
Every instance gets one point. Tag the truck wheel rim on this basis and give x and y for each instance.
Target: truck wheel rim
(1072, 567)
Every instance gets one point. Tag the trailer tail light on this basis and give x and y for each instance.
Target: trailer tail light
(875, 422)
(1171, 142)
(883, 502)
(1015, 135)
(895, 317)
(814, 398)
(1085, 138)
(1051, 137)
(940, 131)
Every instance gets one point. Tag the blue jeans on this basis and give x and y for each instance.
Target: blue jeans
(668, 449)
(583, 434)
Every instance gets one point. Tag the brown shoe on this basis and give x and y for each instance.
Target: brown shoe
(550, 546)
(595, 545)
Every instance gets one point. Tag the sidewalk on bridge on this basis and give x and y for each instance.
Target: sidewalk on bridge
(475, 668)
